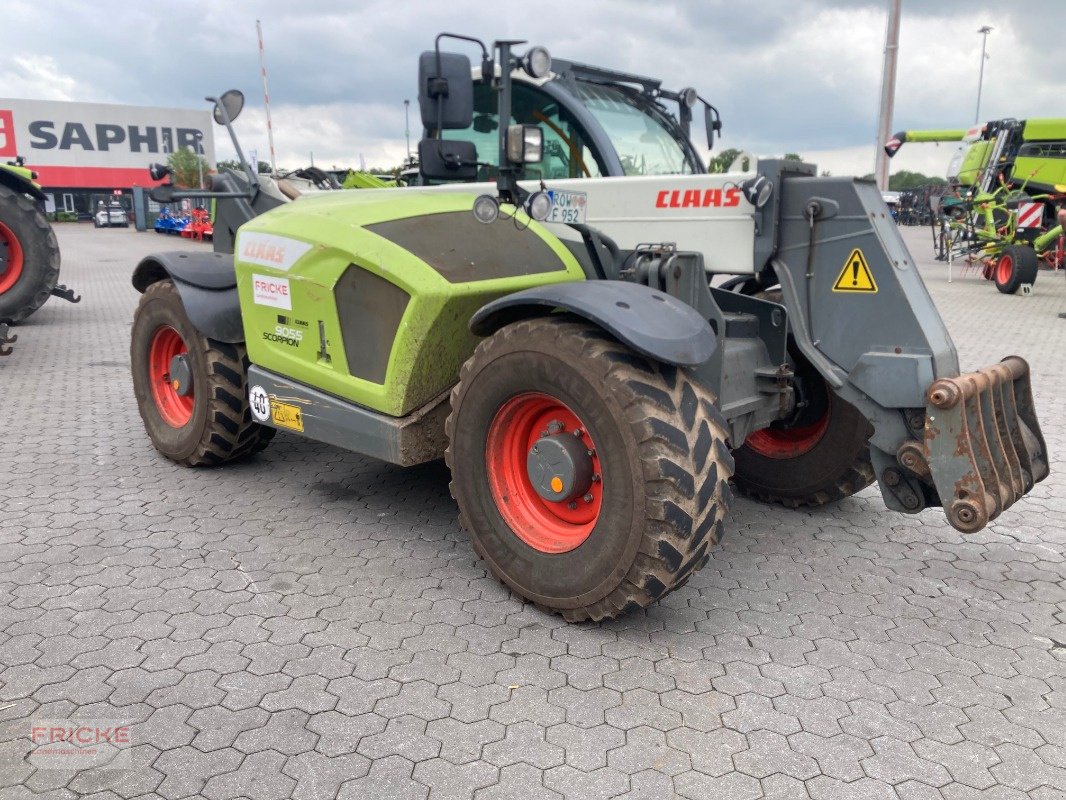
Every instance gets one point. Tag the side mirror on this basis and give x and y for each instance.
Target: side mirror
(233, 102)
(162, 194)
(445, 95)
(447, 160)
(712, 122)
(158, 172)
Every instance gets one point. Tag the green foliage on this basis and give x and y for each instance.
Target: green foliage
(792, 157)
(229, 163)
(64, 216)
(722, 161)
(904, 179)
(185, 163)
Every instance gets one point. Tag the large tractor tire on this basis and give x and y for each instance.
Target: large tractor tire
(819, 456)
(591, 480)
(192, 391)
(29, 257)
(1017, 264)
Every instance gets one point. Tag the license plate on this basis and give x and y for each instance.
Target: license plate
(567, 206)
(285, 415)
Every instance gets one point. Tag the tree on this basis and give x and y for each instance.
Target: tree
(724, 160)
(905, 179)
(230, 163)
(793, 157)
(188, 167)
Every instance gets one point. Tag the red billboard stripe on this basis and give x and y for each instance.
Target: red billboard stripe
(92, 177)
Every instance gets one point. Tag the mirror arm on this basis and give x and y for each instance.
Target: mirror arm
(253, 179)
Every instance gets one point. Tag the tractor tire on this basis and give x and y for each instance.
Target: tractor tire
(1016, 265)
(647, 479)
(822, 457)
(212, 423)
(29, 257)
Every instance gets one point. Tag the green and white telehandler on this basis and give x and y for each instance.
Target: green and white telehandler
(554, 335)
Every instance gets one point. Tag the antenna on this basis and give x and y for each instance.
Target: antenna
(266, 96)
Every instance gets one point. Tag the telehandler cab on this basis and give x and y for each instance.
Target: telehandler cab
(558, 341)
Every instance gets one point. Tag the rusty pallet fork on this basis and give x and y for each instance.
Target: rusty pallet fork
(983, 441)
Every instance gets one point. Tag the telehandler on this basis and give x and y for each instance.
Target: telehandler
(559, 341)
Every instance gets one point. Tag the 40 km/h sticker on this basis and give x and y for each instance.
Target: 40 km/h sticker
(856, 275)
(283, 415)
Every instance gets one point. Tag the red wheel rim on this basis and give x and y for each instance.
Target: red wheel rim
(788, 442)
(1004, 269)
(11, 258)
(175, 409)
(546, 526)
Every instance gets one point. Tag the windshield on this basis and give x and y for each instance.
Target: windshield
(644, 145)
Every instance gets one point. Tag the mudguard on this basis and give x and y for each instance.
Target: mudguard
(207, 284)
(651, 322)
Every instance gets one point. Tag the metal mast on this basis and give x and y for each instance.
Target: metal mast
(888, 94)
(266, 96)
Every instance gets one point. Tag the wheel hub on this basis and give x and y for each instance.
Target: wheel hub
(560, 467)
(180, 375)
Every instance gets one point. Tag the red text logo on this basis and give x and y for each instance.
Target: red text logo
(698, 198)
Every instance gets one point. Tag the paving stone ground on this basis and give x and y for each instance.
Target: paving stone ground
(314, 624)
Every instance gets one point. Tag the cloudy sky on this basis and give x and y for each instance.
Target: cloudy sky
(787, 75)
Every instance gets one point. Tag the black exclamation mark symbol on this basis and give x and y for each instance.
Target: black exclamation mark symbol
(854, 272)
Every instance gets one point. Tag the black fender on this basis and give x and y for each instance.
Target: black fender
(17, 183)
(207, 283)
(649, 321)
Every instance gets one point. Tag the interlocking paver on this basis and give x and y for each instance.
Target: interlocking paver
(313, 623)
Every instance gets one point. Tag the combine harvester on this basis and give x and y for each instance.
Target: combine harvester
(1011, 176)
(552, 332)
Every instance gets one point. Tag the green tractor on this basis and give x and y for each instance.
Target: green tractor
(540, 314)
(1010, 178)
(29, 252)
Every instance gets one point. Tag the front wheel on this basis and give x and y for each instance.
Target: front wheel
(591, 479)
(1016, 265)
(819, 456)
(191, 391)
(29, 257)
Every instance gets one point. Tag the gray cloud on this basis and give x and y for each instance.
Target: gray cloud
(787, 75)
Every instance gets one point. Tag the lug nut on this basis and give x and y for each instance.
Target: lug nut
(578, 432)
(587, 498)
(590, 453)
(571, 505)
(596, 477)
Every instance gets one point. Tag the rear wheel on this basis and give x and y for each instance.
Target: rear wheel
(818, 456)
(29, 257)
(591, 480)
(191, 391)
(1016, 265)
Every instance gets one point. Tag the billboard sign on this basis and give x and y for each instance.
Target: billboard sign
(94, 145)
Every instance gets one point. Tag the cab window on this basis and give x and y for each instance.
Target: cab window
(566, 152)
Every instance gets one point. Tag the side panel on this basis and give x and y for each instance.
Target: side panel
(702, 213)
(362, 317)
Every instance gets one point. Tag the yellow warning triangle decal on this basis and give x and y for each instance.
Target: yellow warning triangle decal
(856, 275)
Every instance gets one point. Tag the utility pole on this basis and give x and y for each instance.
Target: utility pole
(888, 93)
(407, 125)
(266, 97)
(984, 30)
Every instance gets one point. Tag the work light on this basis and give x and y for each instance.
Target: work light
(537, 62)
(757, 190)
(525, 144)
(539, 206)
(486, 209)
